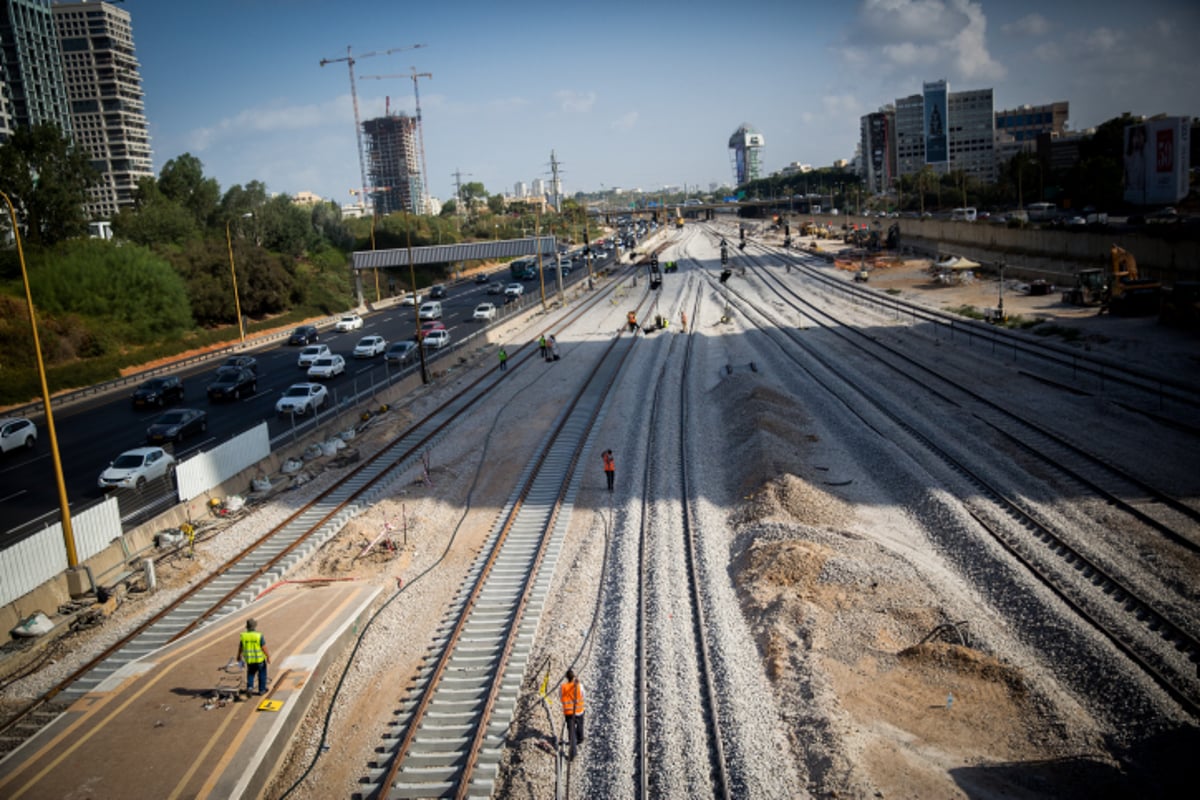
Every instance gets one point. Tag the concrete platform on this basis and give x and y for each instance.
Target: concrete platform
(155, 729)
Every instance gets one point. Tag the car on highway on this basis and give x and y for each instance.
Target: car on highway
(370, 346)
(248, 362)
(437, 291)
(17, 432)
(311, 353)
(349, 322)
(158, 392)
(305, 334)
(495, 287)
(514, 290)
(431, 325)
(134, 468)
(176, 425)
(401, 352)
(411, 299)
(430, 310)
(436, 340)
(327, 367)
(301, 398)
(230, 383)
(482, 278)
(485, 312)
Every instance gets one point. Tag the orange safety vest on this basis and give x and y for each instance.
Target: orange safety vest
(572, 698)
(609, 465)
(252, 652)
(632, 317)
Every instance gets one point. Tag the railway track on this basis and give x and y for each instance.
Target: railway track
(666, 539)
(449, 733)
(1165, 649)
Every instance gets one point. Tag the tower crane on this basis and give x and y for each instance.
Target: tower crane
(350, 61)
(420, 129)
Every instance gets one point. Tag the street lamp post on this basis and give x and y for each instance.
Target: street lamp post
(64, 507)
(237, 303)
(1000, 301)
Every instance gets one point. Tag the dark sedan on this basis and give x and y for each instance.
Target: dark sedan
(158, 392)
(304, 335)
(231, 383)
(247, 362)
(176, 425)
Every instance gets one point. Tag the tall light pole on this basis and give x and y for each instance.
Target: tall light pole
(237, 303)
(64, 507)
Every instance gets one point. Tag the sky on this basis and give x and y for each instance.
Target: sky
(631, 95)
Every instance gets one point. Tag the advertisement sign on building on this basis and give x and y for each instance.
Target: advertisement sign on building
(937, 139)
(1157, 161)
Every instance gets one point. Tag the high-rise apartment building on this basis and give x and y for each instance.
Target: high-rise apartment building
(103, 83)
(539, 187)
(520, 189)
(30, 64)
(878, 150)
(393, 166)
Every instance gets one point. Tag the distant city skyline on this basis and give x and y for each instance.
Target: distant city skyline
(639, 96)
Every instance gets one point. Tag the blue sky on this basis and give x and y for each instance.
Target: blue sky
(627, 94)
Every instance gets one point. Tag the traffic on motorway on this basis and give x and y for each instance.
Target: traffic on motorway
(201, 406)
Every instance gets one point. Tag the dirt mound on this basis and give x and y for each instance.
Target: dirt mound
(768, 431)
(963, 661)
(794, 499)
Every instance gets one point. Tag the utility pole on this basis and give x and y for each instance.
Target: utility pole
(424, 200)
(554, 185)
(350, 61)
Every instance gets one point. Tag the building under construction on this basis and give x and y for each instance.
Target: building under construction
(393, 164)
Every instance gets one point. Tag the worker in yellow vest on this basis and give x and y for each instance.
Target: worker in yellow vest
(572, 706)
(252, 650)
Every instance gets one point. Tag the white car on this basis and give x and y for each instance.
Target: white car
(485, 312)
(311, 353)
(133, 468)
(327, 367)
(17, 432)
(436, 340)
(411, 299)
(514, 290)
(300, 398)
(370, 346)
(350, 322)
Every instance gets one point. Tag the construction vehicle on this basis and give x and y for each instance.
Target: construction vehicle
(1122, 293)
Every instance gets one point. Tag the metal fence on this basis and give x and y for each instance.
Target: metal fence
(38, 558)
(210, 468)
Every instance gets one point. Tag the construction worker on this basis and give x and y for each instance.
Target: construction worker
(572, 706)
(610, 467)
(542, 345)
(252, 651)
(632, 318)
(503, 359)
(683, 319)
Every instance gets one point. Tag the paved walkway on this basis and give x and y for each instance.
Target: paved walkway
(155, 728)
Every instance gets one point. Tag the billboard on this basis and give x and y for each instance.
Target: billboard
(937, 137)
(1157, 160)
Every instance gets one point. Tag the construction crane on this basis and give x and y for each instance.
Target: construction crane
(350, 61)
(420, 129)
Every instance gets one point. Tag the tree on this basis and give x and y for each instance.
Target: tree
(47, 178)
(154, 220)
(496, 204)
(449, 208)
(182, 180)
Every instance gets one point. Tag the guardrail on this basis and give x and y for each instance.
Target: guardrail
(34, 410)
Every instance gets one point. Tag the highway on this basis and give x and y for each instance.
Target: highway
(91, 433)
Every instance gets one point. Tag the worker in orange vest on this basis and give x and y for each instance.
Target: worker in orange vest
(632, 318)
(610, 467)
(683, 317)
(572, 706)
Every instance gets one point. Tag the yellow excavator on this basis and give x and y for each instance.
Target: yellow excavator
(1123, 293)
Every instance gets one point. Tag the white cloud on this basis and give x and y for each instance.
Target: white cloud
(625, 122)
(574, 102)
(924, 34)
(272, 119)
(1029, 25)
(842, 104)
